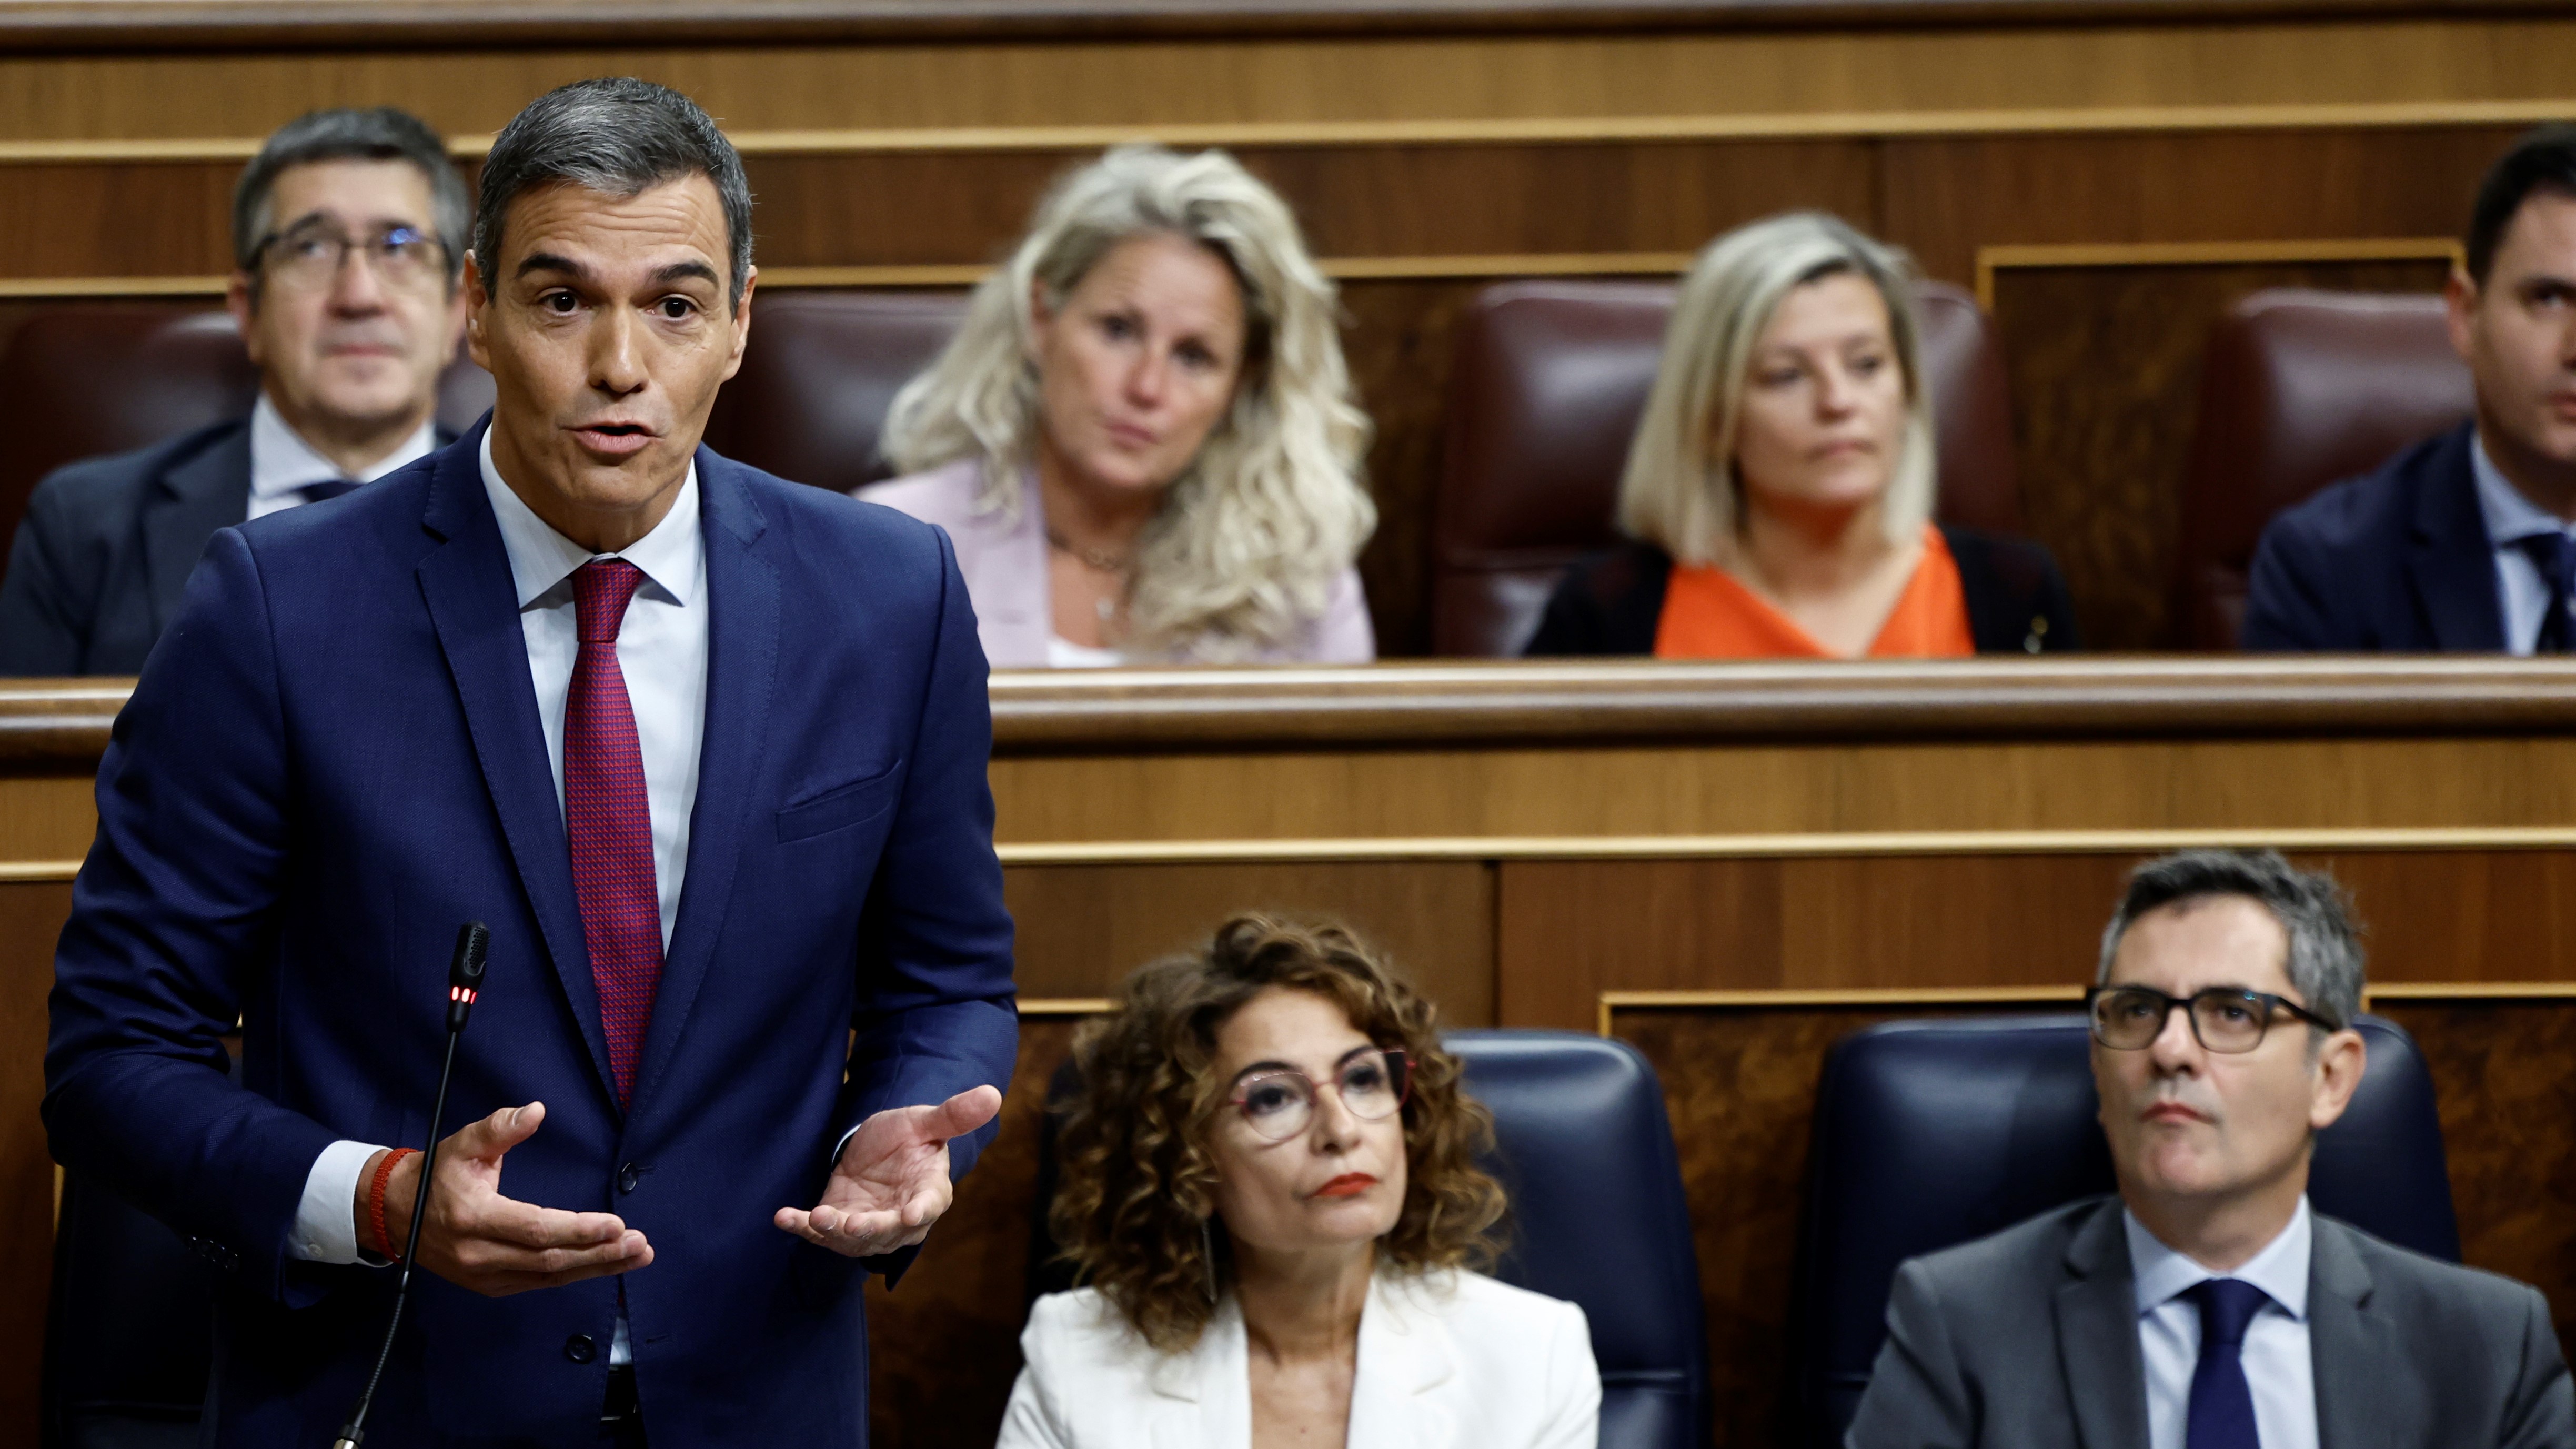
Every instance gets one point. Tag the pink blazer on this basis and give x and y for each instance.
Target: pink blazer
(1005, 564)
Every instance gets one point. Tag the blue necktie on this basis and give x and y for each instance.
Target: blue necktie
(2554, 554)
(327, 489)
(2222, 1404)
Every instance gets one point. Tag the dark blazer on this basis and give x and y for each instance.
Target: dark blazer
(100, 560)
(334, 757)
(2030, 1338)
(2396, 559)
(1611, 603)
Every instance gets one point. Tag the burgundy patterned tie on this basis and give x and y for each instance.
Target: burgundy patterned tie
(609, 822)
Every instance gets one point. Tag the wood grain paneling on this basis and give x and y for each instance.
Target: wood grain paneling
(1570, 930)
(944, 1345)
(2504, 1073)
(1082, 929)
(2105, 365)
(31, 916)
(46, 817)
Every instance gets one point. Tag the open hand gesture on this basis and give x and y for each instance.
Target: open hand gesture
(891, 1182)
(478, 1239)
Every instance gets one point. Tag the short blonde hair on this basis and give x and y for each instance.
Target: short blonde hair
(1679, 490)
(1254, 531)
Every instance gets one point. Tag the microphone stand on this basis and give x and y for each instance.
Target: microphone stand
(464, 982)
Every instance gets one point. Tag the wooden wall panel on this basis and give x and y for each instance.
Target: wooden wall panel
(944, 1345)
(2105, 365)
(31, 916)
(1569, 930)
(1082, 929)
(47, 818)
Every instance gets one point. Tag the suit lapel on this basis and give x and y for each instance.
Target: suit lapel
(1403, 1355)
(473, 604)
(2097, 1335)
(1202, 1399)
(208, 490)
(742, 665)
(2360, 1384)
(2449, 557)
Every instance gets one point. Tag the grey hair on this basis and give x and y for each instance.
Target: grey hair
(1679, 489)
(2325, 965)
(1254, 530)
(619, 136)
(378, 134)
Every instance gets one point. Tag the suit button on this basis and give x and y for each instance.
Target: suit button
(580, 1349)
(628, 1176)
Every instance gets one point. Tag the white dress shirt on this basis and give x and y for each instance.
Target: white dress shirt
(283, 465)
(2278, 1365)
(662, 650)
(2511, 518)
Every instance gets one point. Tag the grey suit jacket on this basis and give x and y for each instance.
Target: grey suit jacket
(2030, 1338)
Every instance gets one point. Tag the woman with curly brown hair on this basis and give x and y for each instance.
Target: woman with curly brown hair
(1270, 1190)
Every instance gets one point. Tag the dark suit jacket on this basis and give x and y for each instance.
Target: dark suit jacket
(100, 560)
(335, 756)
(1611, 603)
(2030, 1338)
(2397, 559)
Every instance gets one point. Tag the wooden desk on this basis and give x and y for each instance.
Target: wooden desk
(1730, 865)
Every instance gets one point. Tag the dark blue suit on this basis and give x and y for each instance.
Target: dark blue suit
(335, 757)
(2397, 559)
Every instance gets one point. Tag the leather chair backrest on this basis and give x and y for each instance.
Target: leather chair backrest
(818, 375)
(129, 1335)
(1584, 1150)
(1548, 381)
(2300, 389)
(1934, 1133)
(94, 378)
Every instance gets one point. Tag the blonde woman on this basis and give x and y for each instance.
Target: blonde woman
(1143, 439)
(1779, 490)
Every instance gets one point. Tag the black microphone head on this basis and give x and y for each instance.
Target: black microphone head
(473, 944)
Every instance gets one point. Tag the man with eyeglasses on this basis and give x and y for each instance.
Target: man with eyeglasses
(348, 238)
(2206, 1306)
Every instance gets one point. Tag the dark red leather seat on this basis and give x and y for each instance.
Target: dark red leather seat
(818, 375)
(2301, 389)
(97, 378)
(1548, 383)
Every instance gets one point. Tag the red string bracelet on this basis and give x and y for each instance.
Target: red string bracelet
(376, 1197)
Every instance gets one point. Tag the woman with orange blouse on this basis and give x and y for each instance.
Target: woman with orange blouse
(1779, 491)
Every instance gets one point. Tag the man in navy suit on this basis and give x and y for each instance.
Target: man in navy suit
(707, 752)
(348, 240)
(2462, 542)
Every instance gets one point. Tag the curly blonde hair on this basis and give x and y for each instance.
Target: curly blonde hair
(1138, 1179)
(1254, 531)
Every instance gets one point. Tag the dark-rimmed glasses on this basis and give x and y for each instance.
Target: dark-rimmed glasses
(1279, 1102)
(2226, 1019)
(310, 256)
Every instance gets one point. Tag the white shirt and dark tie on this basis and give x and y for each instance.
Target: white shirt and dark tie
(662, 652)
(2514, 524)
(2276, 1359)
(286, 471)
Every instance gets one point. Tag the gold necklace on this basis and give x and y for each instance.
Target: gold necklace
(1105, 562)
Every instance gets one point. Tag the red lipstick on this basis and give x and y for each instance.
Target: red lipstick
(1349, 1184)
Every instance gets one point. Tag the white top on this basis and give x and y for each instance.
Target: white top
(1446, 1361)
(2278, 1366)
(662, 651)
(282, 464)
(2511, 518)
(1063, 653)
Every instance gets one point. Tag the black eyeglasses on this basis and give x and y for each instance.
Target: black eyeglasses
(2223, 1018)
(310, 256)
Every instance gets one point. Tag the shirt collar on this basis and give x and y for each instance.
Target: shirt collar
(281, 462)
(541, 559)
(2510, 517)
(2280, 1270)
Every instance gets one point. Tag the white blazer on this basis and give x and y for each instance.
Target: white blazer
(1446, 1361)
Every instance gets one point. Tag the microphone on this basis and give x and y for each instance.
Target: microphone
(464, 984)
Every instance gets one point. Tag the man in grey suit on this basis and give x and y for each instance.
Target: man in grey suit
(2206, 1307)
(348, 238)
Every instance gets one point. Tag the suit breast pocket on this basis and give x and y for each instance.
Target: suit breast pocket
(839, 807)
